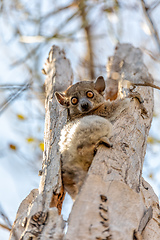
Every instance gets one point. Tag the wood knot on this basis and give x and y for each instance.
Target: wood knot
(103, 198)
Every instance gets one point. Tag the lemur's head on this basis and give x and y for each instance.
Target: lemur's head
(82, 97)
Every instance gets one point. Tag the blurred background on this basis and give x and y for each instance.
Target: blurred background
(88, 31)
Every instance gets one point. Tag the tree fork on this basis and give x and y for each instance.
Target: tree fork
(114, 202)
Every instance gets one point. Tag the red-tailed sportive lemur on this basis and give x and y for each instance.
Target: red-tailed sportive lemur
(89, 123)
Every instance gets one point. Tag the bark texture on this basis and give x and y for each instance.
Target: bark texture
(114, 202)
(44, 206)
(114, 198)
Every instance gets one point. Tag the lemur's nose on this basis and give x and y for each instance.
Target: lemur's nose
(85, 106)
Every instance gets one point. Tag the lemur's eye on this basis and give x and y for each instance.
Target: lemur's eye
(74, 100)
(90, 94)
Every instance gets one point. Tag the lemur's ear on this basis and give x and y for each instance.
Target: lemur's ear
(100, 84)
(61, 99)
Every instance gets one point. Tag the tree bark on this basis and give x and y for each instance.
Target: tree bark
(45, 205)
(114, 202)
(114, 197)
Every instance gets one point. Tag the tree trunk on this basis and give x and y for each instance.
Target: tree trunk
(114, 202)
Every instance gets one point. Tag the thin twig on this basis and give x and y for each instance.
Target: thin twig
(5, 219)
(12, 97)
(10, 86)
(154, 5)
(151, 54)
(5, 227)
(50, 14)
(20, 61)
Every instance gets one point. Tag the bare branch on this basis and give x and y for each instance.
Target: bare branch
(5, 227)
(13, 97)
(87, 28)
(50, 14)
(151, 23)
(8, 225)
(154, 5)
(29, 55)
(11, 86)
